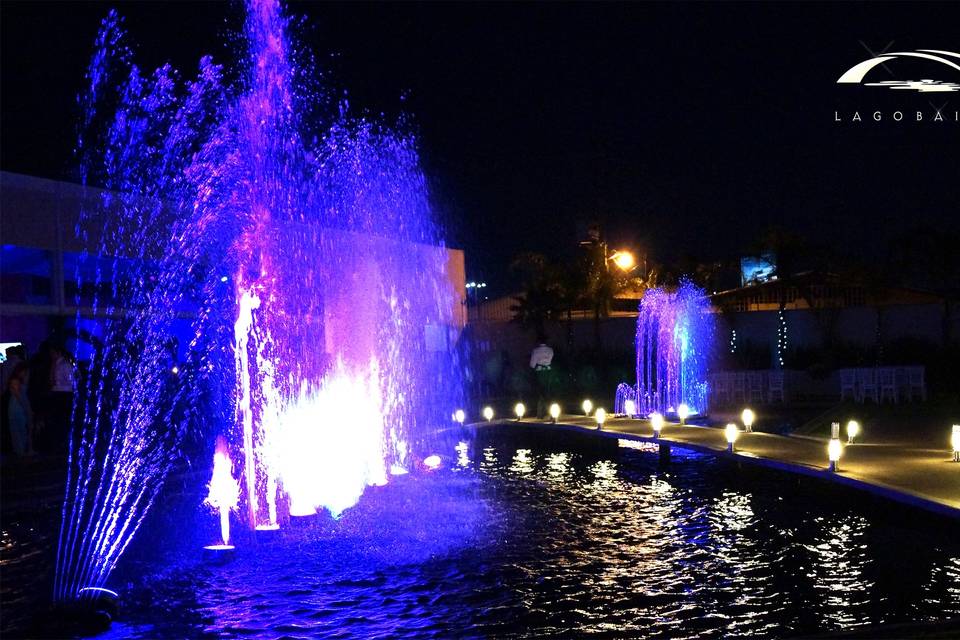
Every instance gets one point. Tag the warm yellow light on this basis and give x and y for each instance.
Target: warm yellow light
(731, 431)
(834, 450)
(656, 421)
(519, 410)
(630, 408)
(555, 411)
(624, 260)
(955, 441)
(747, 417)
(600, 416)
(587, 407)
(460, 416)
(853, 430)
(683, 412)
(488, 413)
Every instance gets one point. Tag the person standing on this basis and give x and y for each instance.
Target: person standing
(541, 359)
(61, 397)
(19, 415)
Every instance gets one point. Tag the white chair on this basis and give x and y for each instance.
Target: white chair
(848, 384)
(867, 383)
(888, 384)
(916, 383)
(775, 386)
(739, 387)
(755, 386)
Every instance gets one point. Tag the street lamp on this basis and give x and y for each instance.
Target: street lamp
(731, 432)
(656, 421)
(624, 260)
(834, 450)
(853, 430)
(600, 416)
(519, 410)
(587, 407)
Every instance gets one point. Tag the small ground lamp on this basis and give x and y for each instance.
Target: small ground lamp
(587, 407)
(683, 412)
(731, 431)
(834, 449)
(656, 421)
(519, 410)
(955, 441)
(460, 416)
(747, 417)
(554, 412)
(601, 417)
(853, 430)
(488, 413)
(630, 408)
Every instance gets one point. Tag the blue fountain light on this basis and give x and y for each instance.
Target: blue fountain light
(326, 359)
(674, 340)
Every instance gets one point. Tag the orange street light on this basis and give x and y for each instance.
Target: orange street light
(624, 260)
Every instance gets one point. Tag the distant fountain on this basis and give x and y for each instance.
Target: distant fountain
(674, 339)
(308, 279)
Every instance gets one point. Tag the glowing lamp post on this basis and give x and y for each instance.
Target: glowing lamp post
(747, 417)
(600, 416)
(834, 451)
(656, 421)
(955, 441)
(519, 410)
(624, 260)
(587, 407)
(853, 430)
(554, 412)
(630, 408)
(731, 432)
(460, 416)
(683, 412)
(488, 413)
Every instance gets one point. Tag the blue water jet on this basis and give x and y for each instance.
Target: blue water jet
(299, 262)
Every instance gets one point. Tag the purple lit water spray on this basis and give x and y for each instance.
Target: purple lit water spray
(674, 340)
(309, 279)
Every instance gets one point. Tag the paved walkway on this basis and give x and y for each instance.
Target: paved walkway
(926, 478)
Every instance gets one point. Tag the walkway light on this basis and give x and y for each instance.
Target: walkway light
(630, 408)
(554, 412)
(656, 421)
(853, 430)
(731, 431)
(460, 416)
(747, 417)
(834, 451)
(683, 412)
(601, 417)
(519, 410)
(955, 441)
(587, 407)
(488, 413)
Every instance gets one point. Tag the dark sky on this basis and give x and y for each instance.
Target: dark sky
(683, 128)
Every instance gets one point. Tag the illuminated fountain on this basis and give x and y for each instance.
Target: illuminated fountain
(674, 339)
(276, 281)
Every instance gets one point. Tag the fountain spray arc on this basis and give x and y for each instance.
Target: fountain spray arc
(309, 279)
(674, 341)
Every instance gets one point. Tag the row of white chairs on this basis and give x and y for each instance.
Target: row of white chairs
(735, 387)
(883, 384)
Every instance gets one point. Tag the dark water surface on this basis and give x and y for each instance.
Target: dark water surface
(523, 536)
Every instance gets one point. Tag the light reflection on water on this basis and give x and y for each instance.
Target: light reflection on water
(523, 539)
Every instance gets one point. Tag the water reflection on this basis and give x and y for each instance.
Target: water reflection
(839, 569)
(522, 462)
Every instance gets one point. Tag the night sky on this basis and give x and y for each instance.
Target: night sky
(682, 128)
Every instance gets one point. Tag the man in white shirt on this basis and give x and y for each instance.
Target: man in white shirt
(540, 360)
